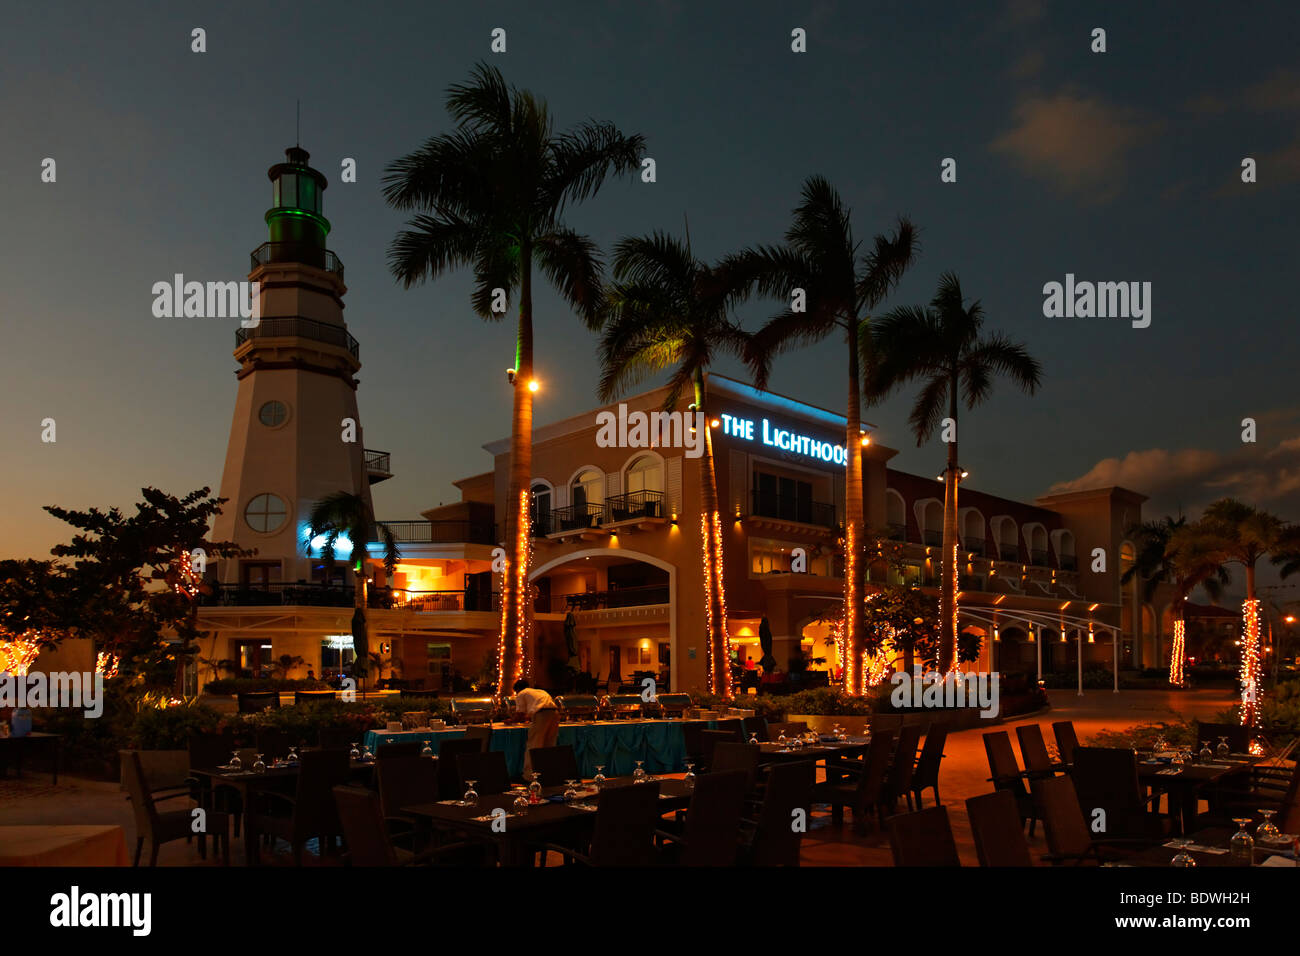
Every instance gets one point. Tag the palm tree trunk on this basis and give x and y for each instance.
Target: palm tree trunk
(1250, 689)
(711, 547)
(948, 583)
(854, 526)
(515, 612)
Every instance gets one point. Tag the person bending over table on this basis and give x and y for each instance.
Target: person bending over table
(538, 707)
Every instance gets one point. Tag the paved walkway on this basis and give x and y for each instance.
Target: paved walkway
(33, 800)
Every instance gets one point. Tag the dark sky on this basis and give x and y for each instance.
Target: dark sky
(1123, 166)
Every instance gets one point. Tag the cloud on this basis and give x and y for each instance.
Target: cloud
(1077, 141)
(1190, 478)
(1278, 92)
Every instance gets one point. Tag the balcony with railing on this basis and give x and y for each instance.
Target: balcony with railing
(299, 326)
(1069, 562)
(1039, 559)
(1008, 552)
(792, 508)
(441, 532)
(302, 594)
(612, 599)
(379, 466)
(428, 602)
(897, 532)
(932, 538)
(302, 252)
(973, 546)
(569, 519)
(634, 504)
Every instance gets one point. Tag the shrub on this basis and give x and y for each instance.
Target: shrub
(826, 702)
(1179, 733)
(227, 686)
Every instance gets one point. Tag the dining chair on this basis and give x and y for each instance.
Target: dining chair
(404, 748)
(1033, 752)
(926, 774)
(898, 779)
(922, 838)
(754, 727)
(555, 764)
(728, 755)
(1069, 839)
(482, 733)
(998, 830)
(864, 794)
(624, 832)
(449, 752)
(1067, 741)
(309, 813)
(405, 781)
(370, 841)
(709, 740)
(1106, 778)
(487, 769)
(164, 826)
(1005, 774)
(772, 839)
(711, 834)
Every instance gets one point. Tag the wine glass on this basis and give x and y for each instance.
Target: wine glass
(688, 781)
(427, 751)
(535, 786)
(471, 795)
(293, 755)
(259, 765)
(753, 739)
(1183, 858)
(1267, 831)
(236, 764)
(1241, 848)
(1177, 760)
(1161, 744)
(355, 753)
(783, 741)
(638, 775)
(1205, 756)
(1223, 749)
(521, 801)
(598, 781)
(570, 791)
(367, 757)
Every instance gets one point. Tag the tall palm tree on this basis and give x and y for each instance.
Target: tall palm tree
(1171, 551)
(491, 194)
(1244, 534)
(669, 310)
(942, 346)
(344, 516)
(843, 284)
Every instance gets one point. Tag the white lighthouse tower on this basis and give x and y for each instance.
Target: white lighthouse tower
(296, 435)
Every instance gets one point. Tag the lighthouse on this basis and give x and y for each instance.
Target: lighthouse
(296, 433)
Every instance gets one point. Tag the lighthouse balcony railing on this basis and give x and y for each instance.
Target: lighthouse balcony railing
(282, 326)
(302, 252)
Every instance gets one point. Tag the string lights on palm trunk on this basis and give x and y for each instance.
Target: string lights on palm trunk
(1250, 663)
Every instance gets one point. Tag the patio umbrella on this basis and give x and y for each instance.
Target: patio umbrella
(360, 646)
(765, 644)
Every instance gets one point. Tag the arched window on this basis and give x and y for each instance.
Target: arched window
(645, 474)
(540, 502)
(972, 531)
(587, 488)
(895, 514)
(932, 523)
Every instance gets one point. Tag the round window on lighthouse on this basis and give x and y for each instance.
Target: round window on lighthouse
(265, 513)
(273, 414)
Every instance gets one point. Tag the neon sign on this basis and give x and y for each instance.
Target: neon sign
(784, 439)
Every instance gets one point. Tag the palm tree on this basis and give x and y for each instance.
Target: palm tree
(943, 348)
(344, 516)
(842, 285)
(1244, 534)
(668, 309)
(491, 195)
(1183, 555)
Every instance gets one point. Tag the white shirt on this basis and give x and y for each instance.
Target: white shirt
(532, 699)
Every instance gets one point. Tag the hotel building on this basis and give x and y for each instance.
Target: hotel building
(616, 530)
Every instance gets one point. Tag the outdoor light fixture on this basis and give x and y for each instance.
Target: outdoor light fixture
(866, 440)
(510, 375)
(533, 385)
(715, 423)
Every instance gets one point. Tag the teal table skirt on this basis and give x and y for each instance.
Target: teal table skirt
(616, 745)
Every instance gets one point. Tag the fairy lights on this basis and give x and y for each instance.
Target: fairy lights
(715, 593)
(849, 653)
(523, 545)
(186, 582)
(107, 663)
(19, 653)
(1176, 676)
(718, 567)
(956, 580)
(1250, 663)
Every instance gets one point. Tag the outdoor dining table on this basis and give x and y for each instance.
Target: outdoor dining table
(246, 782)
(771, 752)
(81, 845)
(1209, 848)
(35, 741)
(615, 745)
(1184, 785)
(515, 843)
